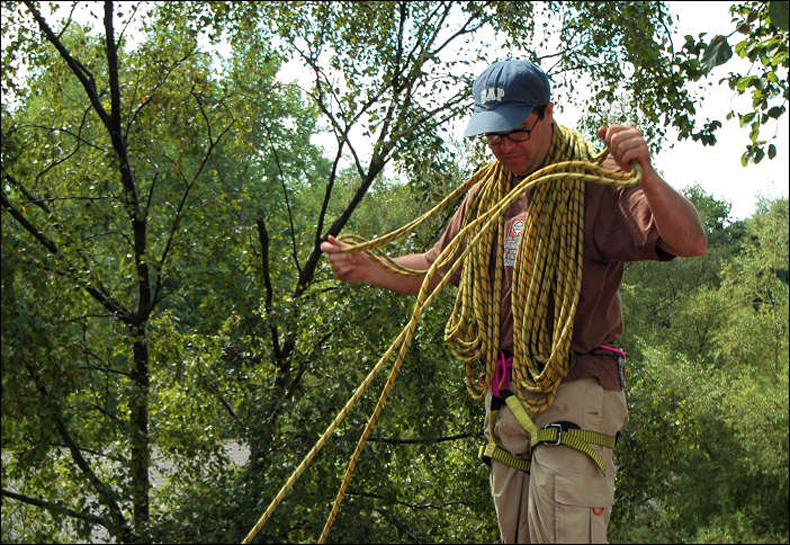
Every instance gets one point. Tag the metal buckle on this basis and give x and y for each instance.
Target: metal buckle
(621, 372)
(559, 433)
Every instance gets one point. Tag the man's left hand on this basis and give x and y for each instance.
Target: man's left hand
(626, 144)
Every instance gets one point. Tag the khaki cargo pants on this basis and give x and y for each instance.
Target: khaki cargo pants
(565, 498)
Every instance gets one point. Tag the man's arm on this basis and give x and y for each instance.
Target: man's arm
(677, 220)
(356, 266)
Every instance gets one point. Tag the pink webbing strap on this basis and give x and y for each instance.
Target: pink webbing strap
(615, 350)
(501, 374)
(620, 364)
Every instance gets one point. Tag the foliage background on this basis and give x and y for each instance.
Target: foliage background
(163, 295)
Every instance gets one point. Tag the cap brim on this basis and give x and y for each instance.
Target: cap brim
(505, 118)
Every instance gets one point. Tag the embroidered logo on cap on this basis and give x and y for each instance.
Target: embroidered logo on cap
(492, 94)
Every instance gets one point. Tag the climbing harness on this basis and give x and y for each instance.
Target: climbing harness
(555, 433)
(550, 266)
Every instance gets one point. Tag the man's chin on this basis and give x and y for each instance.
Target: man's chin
(517, 170)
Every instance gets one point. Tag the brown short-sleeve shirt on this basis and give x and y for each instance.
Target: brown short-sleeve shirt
(619, 227)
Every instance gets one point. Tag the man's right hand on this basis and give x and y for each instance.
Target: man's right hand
(356, 266)
(348, 266)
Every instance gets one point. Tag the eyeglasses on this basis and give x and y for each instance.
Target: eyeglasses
(516, 136)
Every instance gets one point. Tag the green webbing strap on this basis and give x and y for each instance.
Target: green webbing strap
(552, 434)
(581, 440)
(523, 418)
(493, 451)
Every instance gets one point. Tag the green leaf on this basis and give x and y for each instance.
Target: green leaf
(779, 14)
(771, 151)
(740, 48)
(743, 83)
(776, 111)
(717, 52)
(744, 119)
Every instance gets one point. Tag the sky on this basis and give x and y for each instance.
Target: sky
(717, 169)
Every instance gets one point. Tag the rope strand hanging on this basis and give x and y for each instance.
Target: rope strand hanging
(549, 266)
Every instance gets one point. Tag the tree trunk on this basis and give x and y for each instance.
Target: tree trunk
(139, 430)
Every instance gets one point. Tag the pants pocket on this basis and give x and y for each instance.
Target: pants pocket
(583, 506)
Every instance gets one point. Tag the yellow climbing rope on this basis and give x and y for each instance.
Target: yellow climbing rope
(549, 270)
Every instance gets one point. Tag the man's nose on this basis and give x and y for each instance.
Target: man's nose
(506, 144)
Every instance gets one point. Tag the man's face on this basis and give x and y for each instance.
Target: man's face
(524, 158)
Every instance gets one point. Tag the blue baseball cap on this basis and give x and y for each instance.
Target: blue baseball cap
(505, 94)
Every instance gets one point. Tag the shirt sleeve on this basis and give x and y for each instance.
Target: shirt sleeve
(624, 226)
(454, 226)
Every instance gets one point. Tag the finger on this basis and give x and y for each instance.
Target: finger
(339, 245)
(345, 270)
(335, 260)
(343, 261)
(331, 245)
(633, 150)
(617, 140)
(628, 154)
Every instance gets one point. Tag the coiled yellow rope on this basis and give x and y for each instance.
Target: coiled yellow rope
(550, 265)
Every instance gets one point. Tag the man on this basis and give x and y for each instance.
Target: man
(554, 489)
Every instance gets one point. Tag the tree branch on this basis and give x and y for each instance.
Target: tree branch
(99, 293)
(111, 49)
(418, 441)
(136, 215)
(128, 22)
(401, 528)
(113, 125)
(118, 459)
(327, 195)
(415, 506)
(263, 238)
(386, 140)
(29, 227)
(69, 155)
(57, 509)
(103, 369)
(82, 73)
(77, 137)
(463, 30)
(105, 493)
(154, 89)
(179, 209)
(120, 423)
(92, 355)
(68, 20)
(306, 276)
(412, 441)
(42, 202)
(285, 194)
